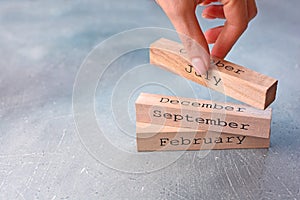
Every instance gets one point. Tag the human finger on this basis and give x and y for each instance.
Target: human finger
(212, 34)
(236, 14)
(182, 15)
(213, 12)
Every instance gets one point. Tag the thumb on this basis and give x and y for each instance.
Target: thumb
(183, 17)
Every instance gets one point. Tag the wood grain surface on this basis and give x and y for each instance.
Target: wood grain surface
(236, 81)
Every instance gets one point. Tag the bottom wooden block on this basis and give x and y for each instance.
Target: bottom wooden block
(152, 137)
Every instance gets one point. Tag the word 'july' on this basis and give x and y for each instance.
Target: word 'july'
(219, 64)
(216, 80)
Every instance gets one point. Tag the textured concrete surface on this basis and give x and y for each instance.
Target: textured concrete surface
(42, 156)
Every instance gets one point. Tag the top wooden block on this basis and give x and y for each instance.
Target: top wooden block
(238, 82)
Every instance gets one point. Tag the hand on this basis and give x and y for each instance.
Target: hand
(237, 13)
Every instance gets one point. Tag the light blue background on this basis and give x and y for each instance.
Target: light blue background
(42, 45)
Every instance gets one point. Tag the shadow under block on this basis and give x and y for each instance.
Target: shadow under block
(238, 82)
(152, 137)
(203, 115)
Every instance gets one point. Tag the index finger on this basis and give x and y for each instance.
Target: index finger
(183, 17)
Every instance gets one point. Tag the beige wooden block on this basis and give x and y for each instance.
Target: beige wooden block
(233, 80)
(203, 115)
(152, 137)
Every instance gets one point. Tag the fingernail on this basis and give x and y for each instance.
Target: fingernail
(204, 15)
(199, 65)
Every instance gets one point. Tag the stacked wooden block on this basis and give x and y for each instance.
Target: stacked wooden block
(177, 123)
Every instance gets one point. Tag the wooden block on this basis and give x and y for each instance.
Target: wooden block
(233, 80)
(203, 115)
(151, 137)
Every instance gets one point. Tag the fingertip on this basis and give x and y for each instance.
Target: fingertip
(209, 38)
(200, 65)
(207, 16)
(213, 12)
(211, 35)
